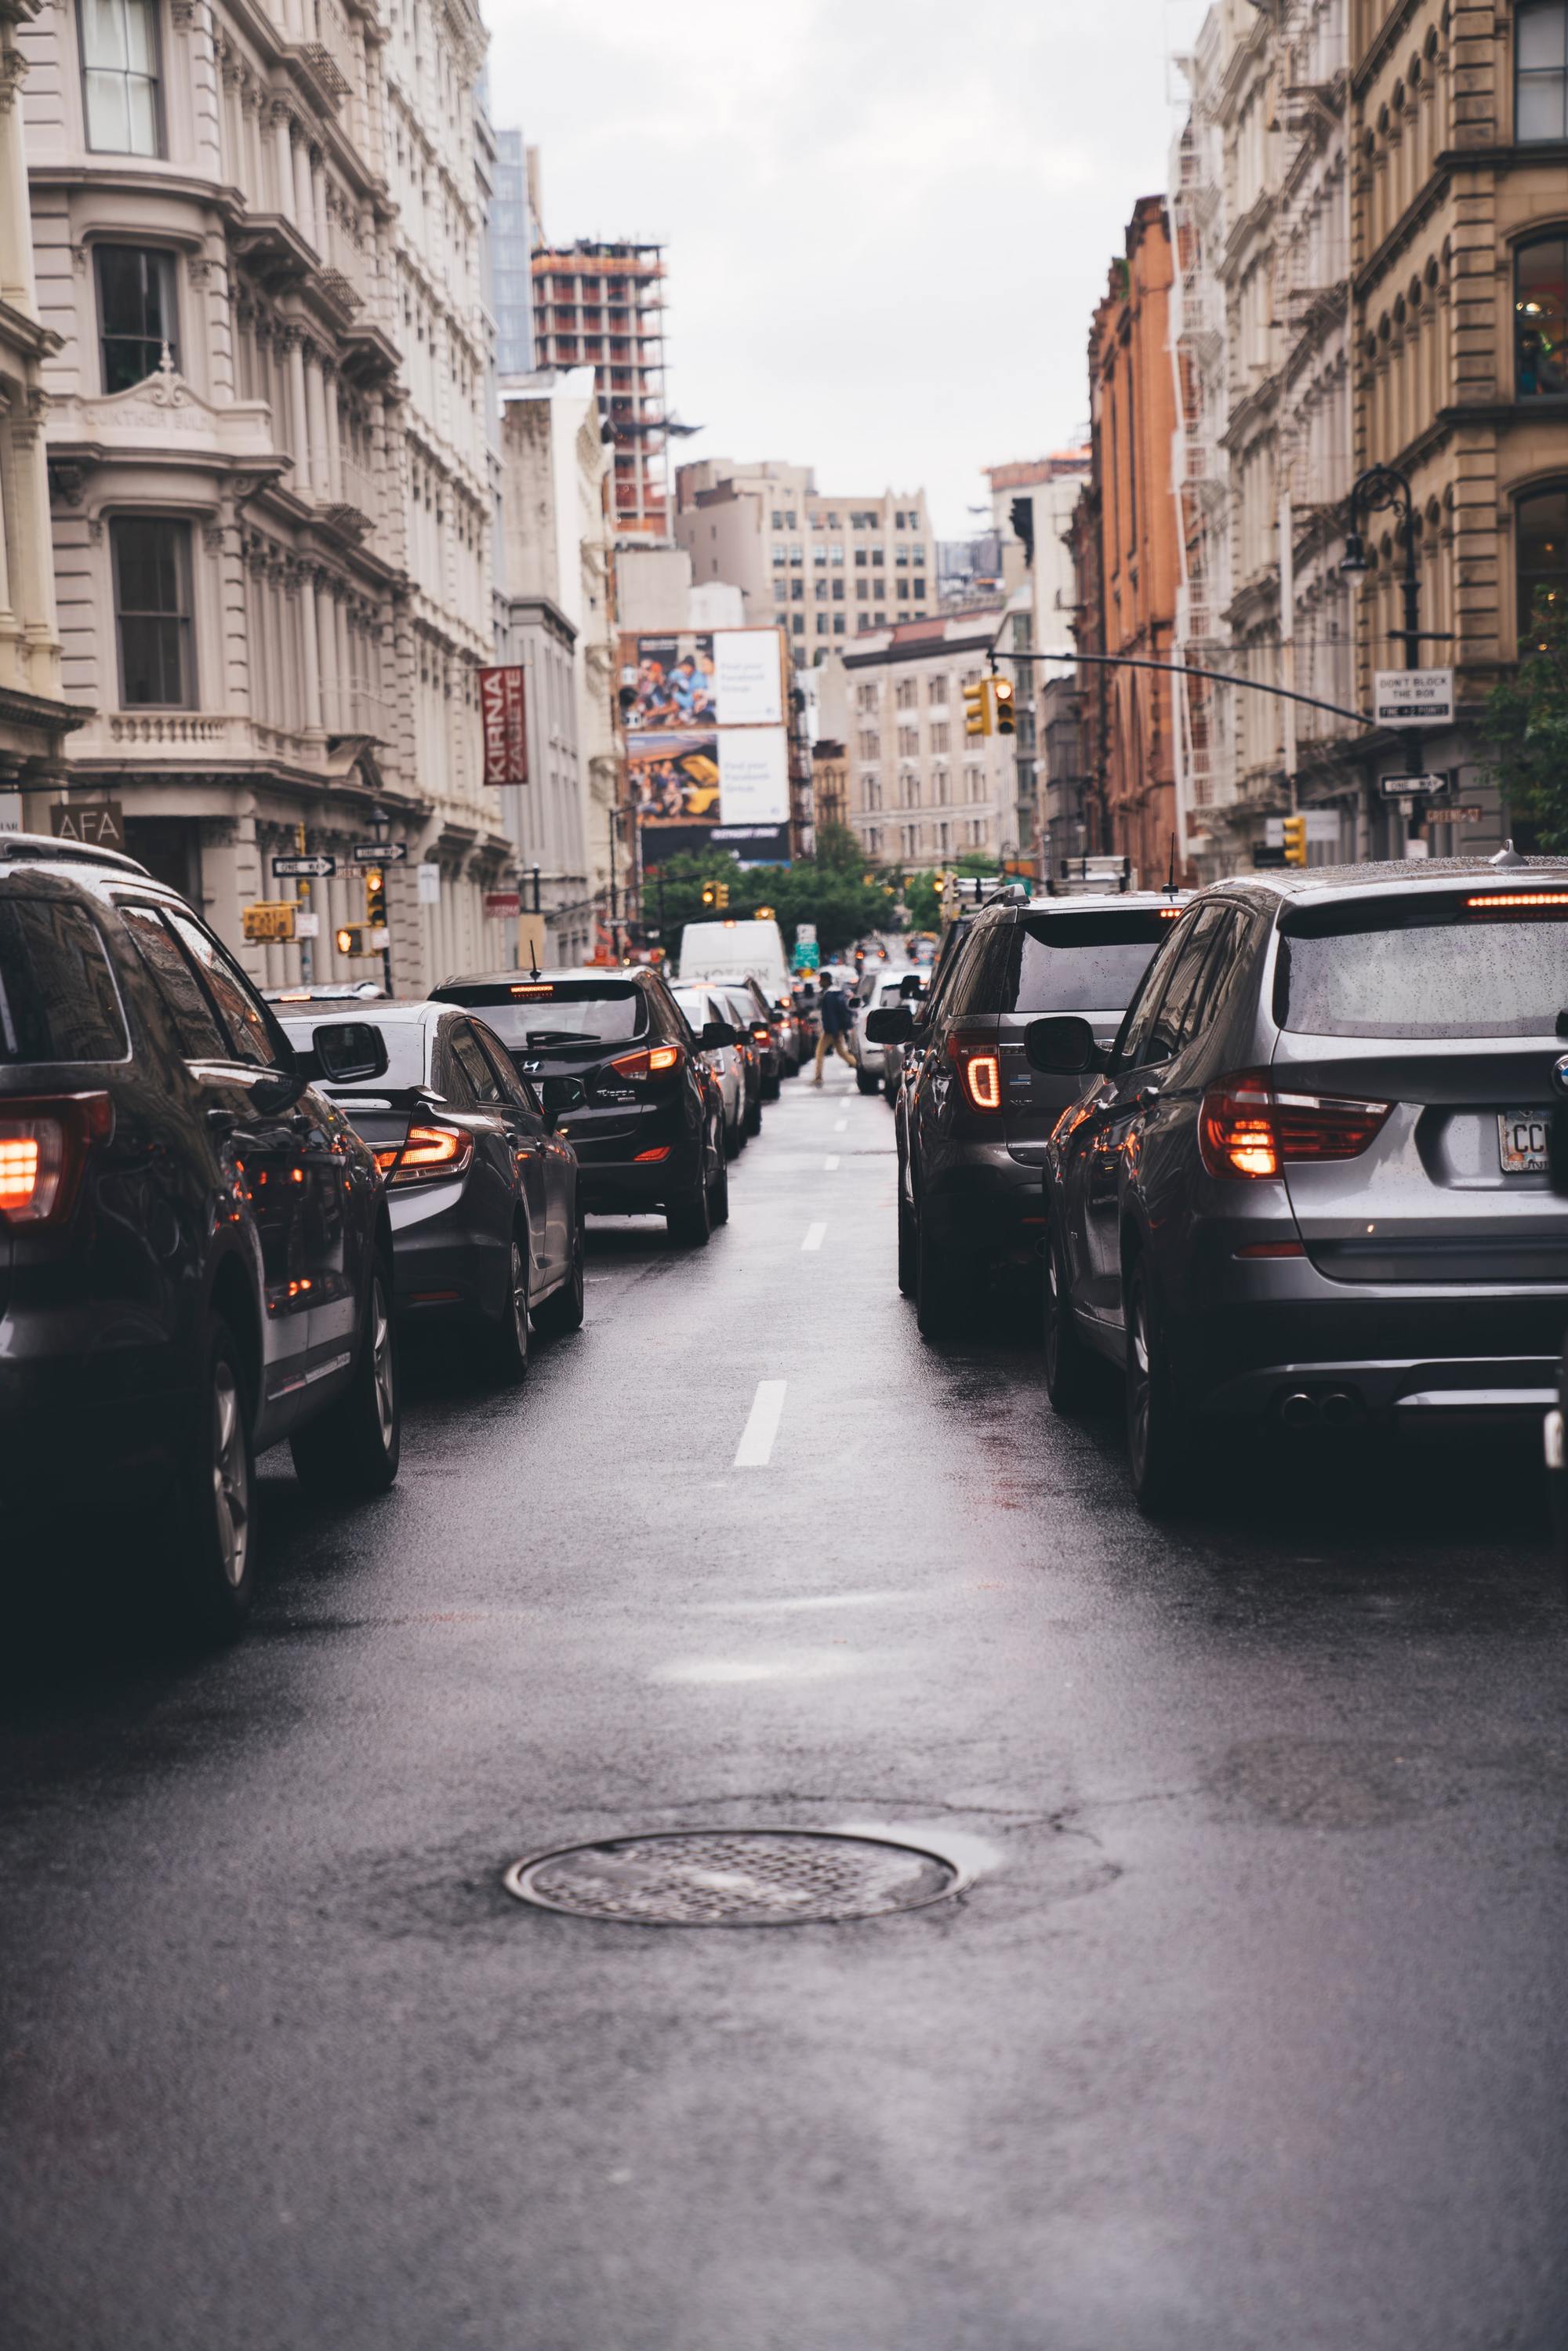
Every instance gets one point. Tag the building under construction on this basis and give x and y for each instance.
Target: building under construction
(603, 306)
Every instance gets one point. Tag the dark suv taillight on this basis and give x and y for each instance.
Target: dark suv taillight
(1247, 1132)
(44, 1144)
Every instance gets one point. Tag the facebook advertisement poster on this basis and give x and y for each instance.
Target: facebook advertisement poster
(719, 677)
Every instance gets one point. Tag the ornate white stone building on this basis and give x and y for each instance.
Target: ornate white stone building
(33, 716)
(257, 235)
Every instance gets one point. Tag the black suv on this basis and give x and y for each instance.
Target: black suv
(195, 1258)
(622, 1075)
(972, 1114)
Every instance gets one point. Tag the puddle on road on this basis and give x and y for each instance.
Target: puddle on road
(806, 1666)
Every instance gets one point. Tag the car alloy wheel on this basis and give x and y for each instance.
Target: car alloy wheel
(231, 1476)
(510, 1344)
(1070, 1368)
(383, 1370)
(1164, 1450)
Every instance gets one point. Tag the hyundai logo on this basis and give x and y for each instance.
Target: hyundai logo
(1560, 1074)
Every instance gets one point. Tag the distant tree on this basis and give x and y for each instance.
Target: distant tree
(1527, 725)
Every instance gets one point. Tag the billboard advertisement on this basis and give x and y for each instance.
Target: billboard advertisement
(707, 751)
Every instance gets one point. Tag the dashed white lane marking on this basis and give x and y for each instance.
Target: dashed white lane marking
(828, 1166)
(843, 1127)
(814, 1240)
(756, 1447)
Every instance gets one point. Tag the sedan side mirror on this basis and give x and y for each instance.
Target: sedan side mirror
(890, 1024)
(1062, 1046)
(717, 1033)
(561, 1094)
(348, 1052)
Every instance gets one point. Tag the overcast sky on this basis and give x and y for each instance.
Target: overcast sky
(888, 221)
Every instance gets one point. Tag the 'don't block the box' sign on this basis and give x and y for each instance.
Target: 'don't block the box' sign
(503, 714)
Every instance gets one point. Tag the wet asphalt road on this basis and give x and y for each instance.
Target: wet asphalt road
(1249, 2032)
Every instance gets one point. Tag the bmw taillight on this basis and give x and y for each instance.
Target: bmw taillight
(427, 1155)
(1247, 1130)
(44, 1144)
(653, 1061)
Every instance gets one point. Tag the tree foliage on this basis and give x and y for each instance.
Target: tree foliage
(834, 888)
(1527, 725)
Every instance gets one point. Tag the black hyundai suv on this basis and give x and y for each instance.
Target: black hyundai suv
(620, 1073)
(195, 1259)
(972, 1114)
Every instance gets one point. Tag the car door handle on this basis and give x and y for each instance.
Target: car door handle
(1146, 1097)
(221, 1121)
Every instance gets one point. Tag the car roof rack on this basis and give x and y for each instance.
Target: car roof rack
(17, 848)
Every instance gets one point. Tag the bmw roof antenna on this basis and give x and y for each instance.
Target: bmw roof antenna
(1507, 856)
(533, 956)
(1170, 871)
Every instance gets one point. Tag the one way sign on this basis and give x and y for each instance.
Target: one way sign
(305, 869)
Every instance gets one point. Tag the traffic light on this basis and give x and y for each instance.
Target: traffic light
(1002, 697)
(716, 894)
(350, 939)
(375, 898)
(977, 708)
(722, 899)
(1295, 840)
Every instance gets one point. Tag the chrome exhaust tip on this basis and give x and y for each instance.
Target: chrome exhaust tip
(1299, 1410)
(1342, 1408)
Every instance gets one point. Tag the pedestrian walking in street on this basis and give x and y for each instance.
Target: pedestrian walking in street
(833, 1010)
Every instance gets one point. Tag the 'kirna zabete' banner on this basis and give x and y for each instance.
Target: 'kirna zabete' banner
(504, 716)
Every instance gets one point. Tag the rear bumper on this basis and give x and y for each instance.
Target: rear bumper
(622, 1188)
(117, 1419)
(1424, 1360)
(986, 1202)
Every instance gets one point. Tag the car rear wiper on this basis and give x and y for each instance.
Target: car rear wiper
(562, 1036)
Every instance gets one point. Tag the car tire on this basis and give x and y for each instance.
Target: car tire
(867, 1083)
(507, 1338)
(1072, 1373)
(690, 1221)
(754, 1116)
(734, 1139)
(211, 1557)
(718, 1190)
(906, 1248)
(770, 1086)
(1162, 1450)
(354, 1446)
(562, 1311)
(942, 1293)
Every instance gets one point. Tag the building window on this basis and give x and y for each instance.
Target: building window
(780, 552)
(797, 592)
(937, 690)
(1541, 318)
(838, 591)
(876, 557)
(838, 625)
(798, 625)
(860, 557)
(865, 698)
(1541, 70)
(119, 75)
(1540, 540)
(907, 693)
(871, 747)
(939, 738)
(918, 587)
(836, 553)
(909, 742)
(136, 314)
(153, 612)
(820, 591)
(863, 589)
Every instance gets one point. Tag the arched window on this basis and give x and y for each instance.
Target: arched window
(1541, 70)
(1541, 319)
(1540, 552)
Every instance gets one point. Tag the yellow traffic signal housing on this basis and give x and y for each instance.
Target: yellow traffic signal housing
(351, 940)
(1002, 700)
(977, 707)
(375, 898)
(710, 893)
(1295, 840)
(721, 894)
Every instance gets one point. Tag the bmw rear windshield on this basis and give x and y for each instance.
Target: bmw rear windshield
(1488, 961)
(565, 1013)
(1082, 963)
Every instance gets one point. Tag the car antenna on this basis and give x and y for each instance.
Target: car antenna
(533, 956)
(1170, 871)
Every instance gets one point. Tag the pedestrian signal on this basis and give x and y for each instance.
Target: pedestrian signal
(1003, 698)
(1295, 840)
(977, 708)
(350, 939)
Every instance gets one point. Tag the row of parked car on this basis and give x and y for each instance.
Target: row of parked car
(218, 1211)
(1288, 1150)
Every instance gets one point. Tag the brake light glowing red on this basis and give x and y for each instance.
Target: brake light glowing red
(427, 1155)
(1519, 902)
(1247, 1130)
(983, 1080)
(652, 1062)
(44, 1144)
(661, 1152)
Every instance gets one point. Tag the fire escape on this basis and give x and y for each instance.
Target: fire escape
(1199, 470)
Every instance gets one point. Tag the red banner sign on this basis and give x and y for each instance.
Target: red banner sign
(503, 711)
(502, 905)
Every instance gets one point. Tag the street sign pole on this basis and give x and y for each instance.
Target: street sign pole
(302, 888)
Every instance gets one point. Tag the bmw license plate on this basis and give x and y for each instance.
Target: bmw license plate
(1521, 1140)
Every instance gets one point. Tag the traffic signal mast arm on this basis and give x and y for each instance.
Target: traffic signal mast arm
(1186, 669)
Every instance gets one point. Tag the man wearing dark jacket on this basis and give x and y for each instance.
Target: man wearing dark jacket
(833, 1010)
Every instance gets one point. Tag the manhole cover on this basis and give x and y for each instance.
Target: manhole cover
(734, 1877)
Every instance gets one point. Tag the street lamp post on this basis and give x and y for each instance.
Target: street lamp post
(1373, 491)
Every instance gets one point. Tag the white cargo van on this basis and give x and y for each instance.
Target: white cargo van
(709, 950)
